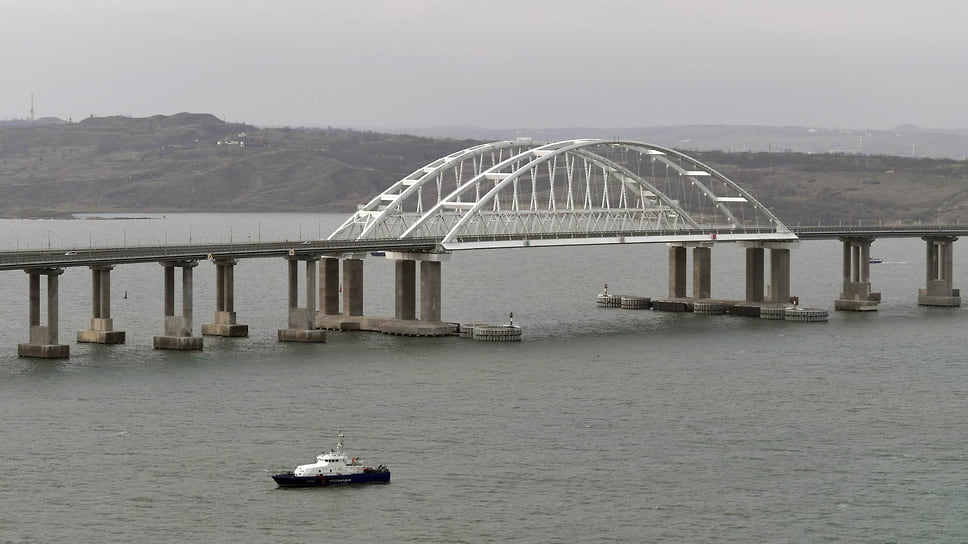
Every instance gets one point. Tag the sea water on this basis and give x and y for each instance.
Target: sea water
(602, 425)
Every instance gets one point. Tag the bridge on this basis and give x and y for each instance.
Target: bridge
(519, 193)
(510, 194)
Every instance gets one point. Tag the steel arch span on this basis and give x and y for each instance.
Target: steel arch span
(521, 193)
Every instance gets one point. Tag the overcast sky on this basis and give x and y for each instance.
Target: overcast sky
(495, 63)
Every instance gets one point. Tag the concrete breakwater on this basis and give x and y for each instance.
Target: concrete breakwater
(484, 332)
(769, 311)
(626, 302)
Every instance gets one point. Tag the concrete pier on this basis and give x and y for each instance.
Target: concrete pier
(329, 286)
(677, 271)
(302, 321)
(347, 288)
(430, 291)
(405, 273)
(43, 338)
(225, 319)
(702, 272)
(101, 329)
(406, 321)
(779, 287)
(780, 273)
(754, 274)
(939, 271)
(856, 295)
(353, 287)
(178, 328)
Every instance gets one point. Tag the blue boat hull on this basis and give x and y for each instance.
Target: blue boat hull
(290, 480)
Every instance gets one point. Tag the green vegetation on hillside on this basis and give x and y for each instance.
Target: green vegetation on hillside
(196, 162)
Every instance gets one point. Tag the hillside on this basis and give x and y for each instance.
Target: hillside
(196, 162)
(830, 188)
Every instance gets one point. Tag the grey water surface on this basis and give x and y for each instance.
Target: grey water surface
(602, 425)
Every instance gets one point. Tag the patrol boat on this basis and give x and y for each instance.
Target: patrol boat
(333, 468)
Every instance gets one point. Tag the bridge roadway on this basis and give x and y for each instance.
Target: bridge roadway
(51, 258)
(21, 260)
(834, 232)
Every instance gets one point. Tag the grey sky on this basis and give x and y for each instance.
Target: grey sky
(494, 63)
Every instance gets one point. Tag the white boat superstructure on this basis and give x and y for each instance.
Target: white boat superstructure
(332, 463)
(332, 468)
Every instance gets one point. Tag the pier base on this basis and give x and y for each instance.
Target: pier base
(225, 325)
(868, 305)
(185, 343)
(43, 338)
(940, 271)
(300, 327)
(302, 321)
(44, 351)
(397, 327)
(856, 295)
(178, 328)
(301, 335)
(939, 293)
(101, 327)
(101, 331)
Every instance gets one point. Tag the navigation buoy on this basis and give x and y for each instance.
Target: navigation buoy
(125, 293)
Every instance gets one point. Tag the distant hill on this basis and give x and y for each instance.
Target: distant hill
(903, 141)
(43, 121)
(197, 162)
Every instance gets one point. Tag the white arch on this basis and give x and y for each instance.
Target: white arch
(617, 200)
(371, 219)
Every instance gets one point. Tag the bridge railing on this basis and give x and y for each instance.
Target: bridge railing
(882, 231)
(469, 238)
(15, 260)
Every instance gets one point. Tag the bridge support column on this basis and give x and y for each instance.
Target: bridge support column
(856, 295)
(101, 329)
(939, 270)
(178, 328)
(701, 272)
(779, 289)
(225, 319)
(352, 287)
(406, 322)
(780, 274)
(43, 338)
(754, 274)
(302, 321)
(329, 286)
(677, 271)
(430, 290)
(406, 288)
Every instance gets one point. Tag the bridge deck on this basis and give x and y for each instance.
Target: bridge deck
(833, 232)
(19, 260)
